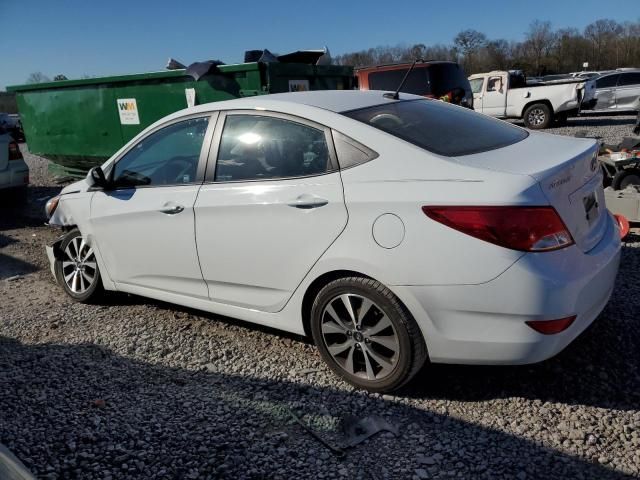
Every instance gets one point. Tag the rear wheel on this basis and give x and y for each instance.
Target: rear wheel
(537, 116)
(366, 335)
(623, 178)
(77, 269)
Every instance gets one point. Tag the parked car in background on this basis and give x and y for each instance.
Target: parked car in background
(506, 94)
(14, 172)
(617, 91)
(11, 124)
(585, 74)
(388, 230)
(441, 80)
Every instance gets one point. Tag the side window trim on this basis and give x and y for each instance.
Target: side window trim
(202, 160)
(212, 158)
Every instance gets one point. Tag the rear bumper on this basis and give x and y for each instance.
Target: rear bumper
(485, 324)
(15, 175)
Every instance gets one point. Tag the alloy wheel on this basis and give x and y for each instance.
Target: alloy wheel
(360, 337)
(79, 267)
(536, 116)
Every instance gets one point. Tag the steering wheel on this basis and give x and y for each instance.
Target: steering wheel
(179, 167)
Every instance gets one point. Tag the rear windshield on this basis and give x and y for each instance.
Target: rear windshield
(440, 128)
(437, 79)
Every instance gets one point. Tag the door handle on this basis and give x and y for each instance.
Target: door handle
(306, 202)
(172, 210)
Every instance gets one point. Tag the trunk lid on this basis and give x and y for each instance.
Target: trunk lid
(567, 171)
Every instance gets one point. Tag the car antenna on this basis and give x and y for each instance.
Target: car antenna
(396, 95)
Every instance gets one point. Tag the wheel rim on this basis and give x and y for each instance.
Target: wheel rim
(536, 117)
(79, 268)
(360, 337)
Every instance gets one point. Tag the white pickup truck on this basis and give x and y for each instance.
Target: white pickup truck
(508, 95)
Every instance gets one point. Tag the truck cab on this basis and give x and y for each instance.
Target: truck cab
(507, 94)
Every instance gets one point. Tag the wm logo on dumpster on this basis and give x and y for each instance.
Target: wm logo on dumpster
(128, 111)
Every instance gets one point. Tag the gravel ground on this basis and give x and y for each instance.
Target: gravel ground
(134, 388)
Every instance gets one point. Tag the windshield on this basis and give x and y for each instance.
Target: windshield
(440, 128)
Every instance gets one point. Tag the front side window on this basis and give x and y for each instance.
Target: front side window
(167, 157)
(607, 82)
(476, 85)
(440, 128)
(255, 147)
(494, 84)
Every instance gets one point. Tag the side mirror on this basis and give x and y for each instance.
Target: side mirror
(96, 178)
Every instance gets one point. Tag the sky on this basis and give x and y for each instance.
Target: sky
(111, 37)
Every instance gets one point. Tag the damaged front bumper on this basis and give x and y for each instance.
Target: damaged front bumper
(53, 250)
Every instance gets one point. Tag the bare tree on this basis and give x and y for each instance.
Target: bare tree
(540, 40)
(468, 42)
(38, 77)
(602, 34)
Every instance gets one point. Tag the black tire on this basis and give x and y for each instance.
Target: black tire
(411, 348)
(560, 120)
(19, 195)
(88, 268)
(537, 116)
(623, 178)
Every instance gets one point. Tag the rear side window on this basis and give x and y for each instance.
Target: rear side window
(447, 77)
(255, 147)
(440, 128)
(417, 82)
(628, 79)
(607, 82)
(350, 152)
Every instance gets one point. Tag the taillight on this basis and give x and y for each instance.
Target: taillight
(529, 229)
(14, 151)
(551, 327)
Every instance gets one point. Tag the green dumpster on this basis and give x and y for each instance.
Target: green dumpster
(77, 124)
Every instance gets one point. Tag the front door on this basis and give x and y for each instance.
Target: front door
(494, 100)
(606, 92)
(274, 205)
(477, 88)
(144, 225)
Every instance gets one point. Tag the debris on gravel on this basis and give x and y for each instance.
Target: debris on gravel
(134, 388)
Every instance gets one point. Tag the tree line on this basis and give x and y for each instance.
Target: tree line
(605, 44)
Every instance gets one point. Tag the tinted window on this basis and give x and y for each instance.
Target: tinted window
(607, 82)
(167, 157)
(259, 147)
(447, 77)
(476, 85)
(350, 152)
(440, 128)
(417, 82)
(629, 79)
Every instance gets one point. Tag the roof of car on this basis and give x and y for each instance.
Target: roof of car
(333, 100)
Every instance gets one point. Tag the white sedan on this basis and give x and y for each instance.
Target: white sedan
(392, 231)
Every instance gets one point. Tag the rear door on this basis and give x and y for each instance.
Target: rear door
(606, 92)
(494, 100)
(272, 204)
(628, 90)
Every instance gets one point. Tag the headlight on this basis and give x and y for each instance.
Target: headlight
(51, 205)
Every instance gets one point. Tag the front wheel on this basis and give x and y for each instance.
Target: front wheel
(366, 335)
(77, 269)
(537, 116)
